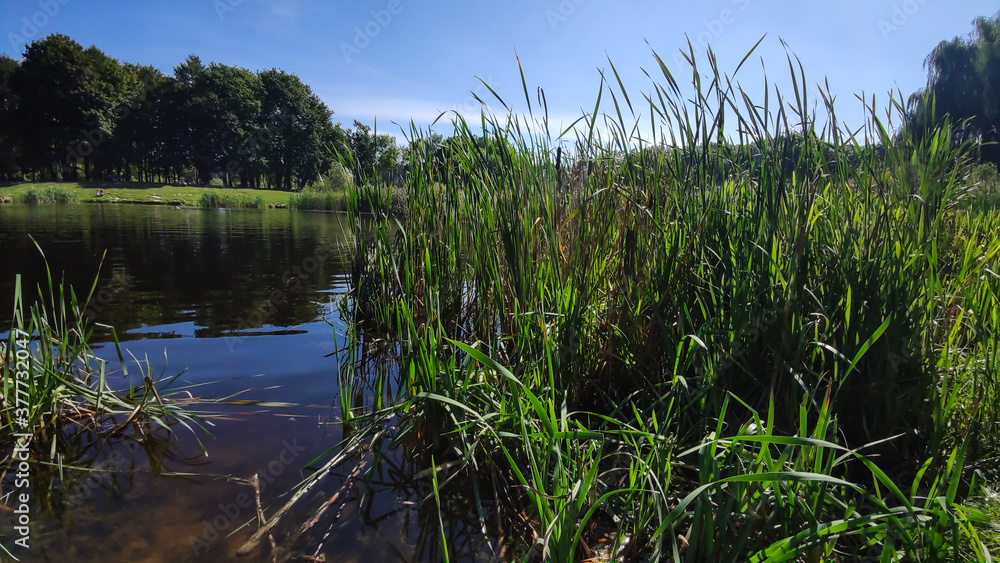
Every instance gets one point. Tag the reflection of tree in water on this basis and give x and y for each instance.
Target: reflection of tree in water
(96, 470)
(223, 271)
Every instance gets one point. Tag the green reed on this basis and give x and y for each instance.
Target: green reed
(592, 321)
(318, 201)
(211, 199)
(66, 387)
(49, 195)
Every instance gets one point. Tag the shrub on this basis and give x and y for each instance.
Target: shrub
(211, 199)
(338, 179)
(318, 200)
(328, 194)
(49, 195)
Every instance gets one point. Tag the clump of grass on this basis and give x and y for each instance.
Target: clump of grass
(57, 391)
(318, 200)
(66, 382)
(211, 199)
(328, 194)
(744, 334)
(52, 194)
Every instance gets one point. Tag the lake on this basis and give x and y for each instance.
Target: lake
(243, 303)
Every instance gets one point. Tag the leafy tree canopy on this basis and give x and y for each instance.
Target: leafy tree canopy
(964, 83)
(67, 111)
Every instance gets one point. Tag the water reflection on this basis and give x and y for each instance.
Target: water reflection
(212, 272)
(241, 300)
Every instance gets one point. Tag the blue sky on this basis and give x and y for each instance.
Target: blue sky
(403, 59)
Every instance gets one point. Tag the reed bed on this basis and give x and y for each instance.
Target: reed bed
(745, 335)
(318, 201)
(49, 195)
(212, 200)
(388, 200)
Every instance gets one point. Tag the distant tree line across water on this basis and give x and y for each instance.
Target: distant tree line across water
(70, 113)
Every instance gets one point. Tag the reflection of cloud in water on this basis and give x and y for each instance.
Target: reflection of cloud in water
(326, 346)
(192, 278)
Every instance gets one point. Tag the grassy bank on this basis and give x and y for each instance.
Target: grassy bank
(140, 193)
(747, 335)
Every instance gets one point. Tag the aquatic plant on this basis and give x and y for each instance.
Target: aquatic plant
(56, 389)
(739, 333)
(211, 199)
(318, 200)
(50, 194)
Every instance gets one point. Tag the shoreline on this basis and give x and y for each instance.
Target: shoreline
(138, 193)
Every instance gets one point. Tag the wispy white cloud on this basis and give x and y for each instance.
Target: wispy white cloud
(389, 109)
(287, 9)
(394, 115)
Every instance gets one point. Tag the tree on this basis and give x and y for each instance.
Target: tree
(115, 90)
(964, 84)
(8, 123)
(140, 138)
(55, 85)
(223, 116)
(295, 132)
(176, 120)
(375, 156)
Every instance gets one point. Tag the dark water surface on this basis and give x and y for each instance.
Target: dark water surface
(243, 301)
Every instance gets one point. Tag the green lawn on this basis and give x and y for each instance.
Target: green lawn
(137, 192)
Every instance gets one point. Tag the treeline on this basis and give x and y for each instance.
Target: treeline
(69, 113)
